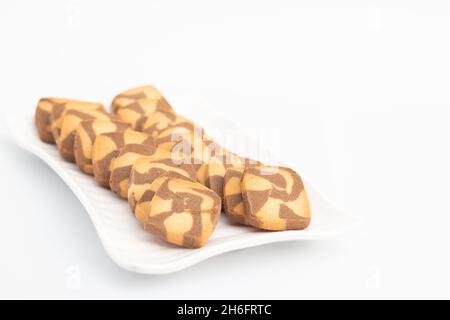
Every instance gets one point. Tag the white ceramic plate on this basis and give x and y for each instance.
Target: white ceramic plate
(136, 250)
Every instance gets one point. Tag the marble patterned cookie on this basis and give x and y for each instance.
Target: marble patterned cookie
(135, 112)
(107, 147)
(132, 95)
(42, 117)
(183, 213)
(275, 199)
(85, 135)
(147, 170)
(60, 110)
(44, 110)
(179, 127)
(70, 122)
(233, 202)
(121, 168)
(156, 122)
(222, 159)
(186, 132)
(197, 149)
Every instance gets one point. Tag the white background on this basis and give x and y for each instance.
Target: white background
(358, 91)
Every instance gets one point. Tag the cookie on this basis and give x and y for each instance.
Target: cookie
(183, 213)
(128, 97)
(156, 122)
(60, 110)
(44, 112)
(121, 168)
(233, 202)
(222, 159)
(107, 147)
(70, 122)
(176, 130)
(275, 199)
(134, 112)
(195, 148)
(146, 171)
(218, 167)
(85, 136)
(169, 137)
(162, 127)
(42, 117)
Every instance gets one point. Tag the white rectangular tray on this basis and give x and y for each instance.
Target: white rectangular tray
(136, 250)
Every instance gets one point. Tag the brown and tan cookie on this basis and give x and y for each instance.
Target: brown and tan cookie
(194, 148)
(275, 199)
(132, 95)
(142, 207)
(70, 122)
(60, 110)
(163, 126)
(44, 114)
(183, 213)
(138, 110)
(222, 159)
(172, 135)
(106, 148)
(85, 136)
(156, 122)
(121, 168)
(233, 202)
(147, 170)
(42, 117)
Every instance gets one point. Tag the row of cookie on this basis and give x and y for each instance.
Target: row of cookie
(176, 134)
(132, 107)
(157, 119)
(107, 148)
(212, 163)
(73, 125)
(270, 198)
